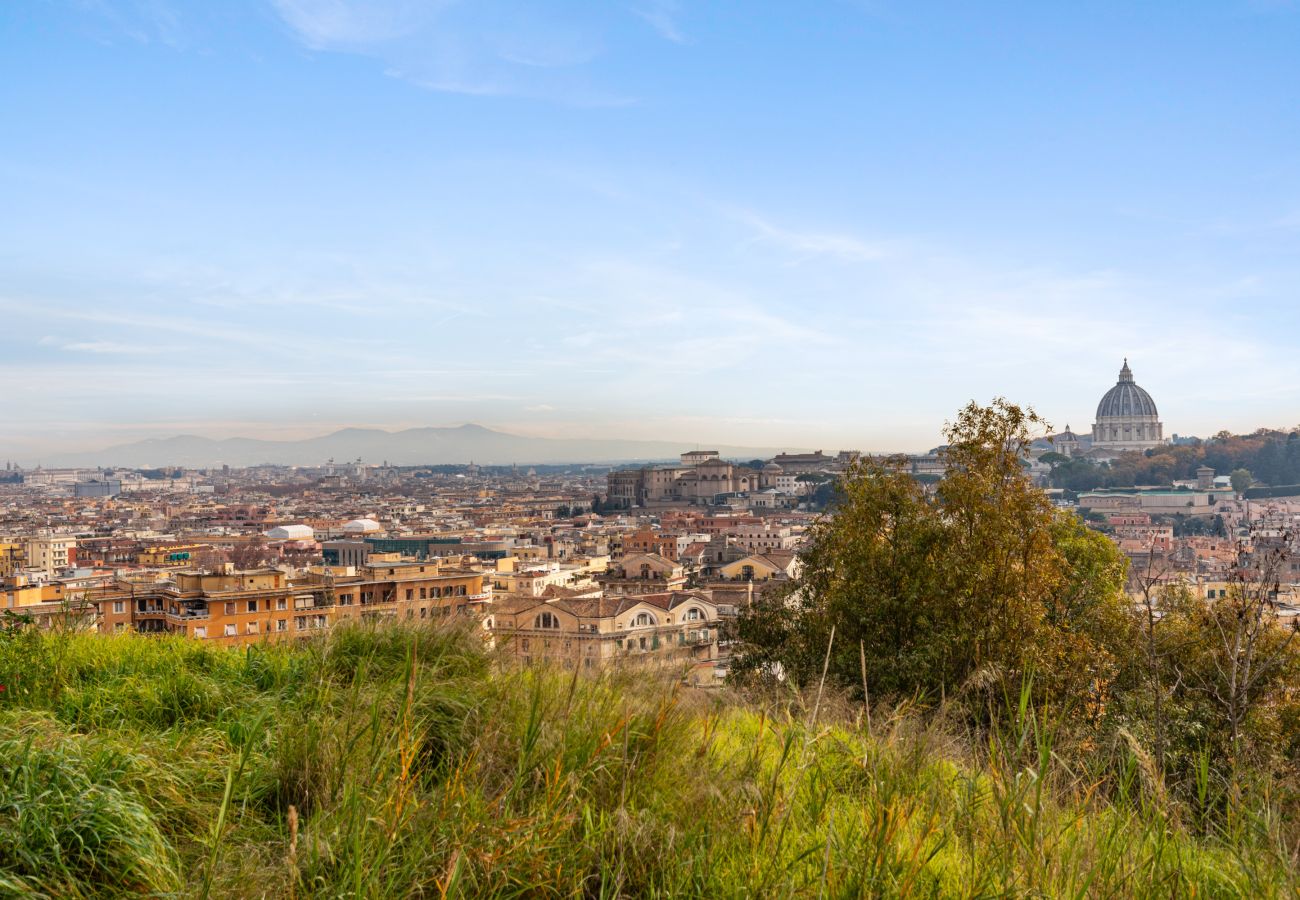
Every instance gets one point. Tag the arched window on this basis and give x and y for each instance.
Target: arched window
(546, 620)
(694, 614)
(643, 620)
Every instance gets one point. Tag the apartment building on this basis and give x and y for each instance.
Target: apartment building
(245, 606)
(675, 628)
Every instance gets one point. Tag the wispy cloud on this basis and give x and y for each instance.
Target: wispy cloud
(504, 48)
(807, 244)
(662, 16)
(142, 21)
(90, 346)
(336, 24)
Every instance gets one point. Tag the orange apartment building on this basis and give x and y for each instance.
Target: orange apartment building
(241, 607)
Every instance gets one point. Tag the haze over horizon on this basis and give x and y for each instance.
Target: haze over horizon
(822, 225)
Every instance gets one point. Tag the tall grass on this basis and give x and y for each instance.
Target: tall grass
(396, 762)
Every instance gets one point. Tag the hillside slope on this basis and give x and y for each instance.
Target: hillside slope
(399, 763)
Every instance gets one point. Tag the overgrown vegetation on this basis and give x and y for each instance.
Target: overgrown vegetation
(395, 762)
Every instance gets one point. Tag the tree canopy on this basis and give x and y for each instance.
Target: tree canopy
(979, 579)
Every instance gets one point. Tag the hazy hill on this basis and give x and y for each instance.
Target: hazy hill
(414, 446)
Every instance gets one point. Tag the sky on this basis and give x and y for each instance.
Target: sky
(815, 224)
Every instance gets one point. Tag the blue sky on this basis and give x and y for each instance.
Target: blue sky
(819, 224)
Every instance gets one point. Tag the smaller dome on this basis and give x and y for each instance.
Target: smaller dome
(773, 468)
(362, 526)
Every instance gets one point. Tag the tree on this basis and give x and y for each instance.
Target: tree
(1146, 584)
(1247, 647)
(1240, 480)
(981, 577)
(249, 554)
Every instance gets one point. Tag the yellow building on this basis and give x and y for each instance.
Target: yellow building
(169, 555)
(12, 558)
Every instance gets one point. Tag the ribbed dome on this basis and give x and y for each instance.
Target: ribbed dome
(1126, 399)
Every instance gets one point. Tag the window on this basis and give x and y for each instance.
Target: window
(230, 608)
(281, 624)
(230, 630)
(643, 620)
(547, 620)
(523, 645)
(252, 606)
(119, 606)
(200, 631)
(424, 612)
(120, 627)
(424, 594)
(281, 603)
(251, 628)
(410, 593)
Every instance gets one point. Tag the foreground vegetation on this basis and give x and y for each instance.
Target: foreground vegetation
(393, 762)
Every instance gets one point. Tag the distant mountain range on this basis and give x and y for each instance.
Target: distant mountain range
(414, 446)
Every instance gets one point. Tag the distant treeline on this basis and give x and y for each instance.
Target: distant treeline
(1271, 457)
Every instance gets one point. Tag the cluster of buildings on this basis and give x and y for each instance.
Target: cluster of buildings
(545, 566)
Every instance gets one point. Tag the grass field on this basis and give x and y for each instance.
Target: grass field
(399, 762)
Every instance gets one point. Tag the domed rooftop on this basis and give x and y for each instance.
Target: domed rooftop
(1126, 399)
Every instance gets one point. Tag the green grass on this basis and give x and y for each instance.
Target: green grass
(396, 762)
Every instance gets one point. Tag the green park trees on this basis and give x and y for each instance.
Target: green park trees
(980, 576)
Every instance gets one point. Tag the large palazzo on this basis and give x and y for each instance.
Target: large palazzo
(1127, 417)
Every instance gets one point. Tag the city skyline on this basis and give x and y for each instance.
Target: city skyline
(825, 227)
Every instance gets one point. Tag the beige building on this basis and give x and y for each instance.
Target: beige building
(50, 551)
(678, 628)
(776, 566)
(643, 573)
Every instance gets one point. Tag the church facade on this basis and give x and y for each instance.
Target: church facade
(1127, 418)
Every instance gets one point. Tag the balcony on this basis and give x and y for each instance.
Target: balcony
(187, 613)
